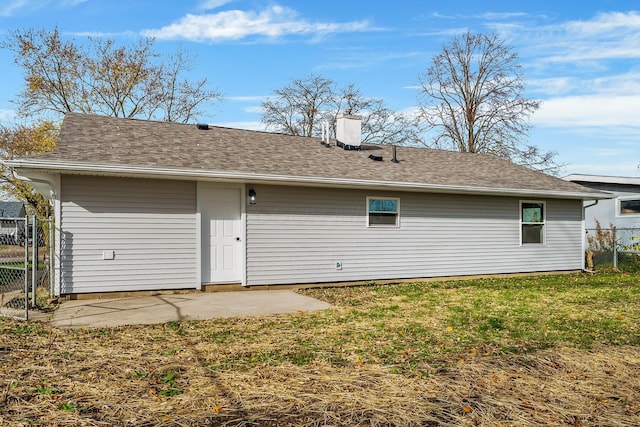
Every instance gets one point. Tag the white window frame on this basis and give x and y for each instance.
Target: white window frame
(619, 214)
(397, 224)
(543, 222)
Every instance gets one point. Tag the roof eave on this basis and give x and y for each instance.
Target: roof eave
(603, 179)
(26, 165)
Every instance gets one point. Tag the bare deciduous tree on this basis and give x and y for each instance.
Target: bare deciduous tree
(102, 78)
(299, 108)
(94, 77)
(471, 98)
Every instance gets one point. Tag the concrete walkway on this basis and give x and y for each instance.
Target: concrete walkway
(167, 308)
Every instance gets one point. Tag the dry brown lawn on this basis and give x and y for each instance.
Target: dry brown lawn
(510, 352)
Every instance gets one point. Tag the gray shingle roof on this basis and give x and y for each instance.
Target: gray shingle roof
(98, 142)
(11, 209)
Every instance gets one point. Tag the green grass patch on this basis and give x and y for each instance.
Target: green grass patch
(404, 325)
(491, 316)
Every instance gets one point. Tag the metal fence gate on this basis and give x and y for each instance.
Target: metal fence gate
(26, 255)
(612, 248)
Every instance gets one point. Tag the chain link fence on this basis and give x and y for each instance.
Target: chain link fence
(612, 248)
(26, 254)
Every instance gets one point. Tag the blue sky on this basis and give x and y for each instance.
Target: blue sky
(581, 59)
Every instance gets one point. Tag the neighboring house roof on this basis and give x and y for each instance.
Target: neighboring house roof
(91, 144)
(602, 179)
(11, 209)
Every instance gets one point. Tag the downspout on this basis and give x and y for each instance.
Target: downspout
(584, 249)
(592, 204)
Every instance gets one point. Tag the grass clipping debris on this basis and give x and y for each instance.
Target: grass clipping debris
(534, 351)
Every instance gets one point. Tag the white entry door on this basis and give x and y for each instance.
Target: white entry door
(220, 210)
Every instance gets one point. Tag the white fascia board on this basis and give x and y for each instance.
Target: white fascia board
(30, 166)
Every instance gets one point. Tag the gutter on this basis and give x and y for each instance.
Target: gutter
(151, 172)
(50, 184)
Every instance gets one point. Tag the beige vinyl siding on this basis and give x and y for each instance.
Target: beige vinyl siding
(149, 224)
(297, 234)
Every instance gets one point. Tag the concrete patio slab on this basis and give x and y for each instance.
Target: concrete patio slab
(166, 308)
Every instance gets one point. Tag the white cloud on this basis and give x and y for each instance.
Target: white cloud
(213, 4)
(608, 36)
(7, 115)
(610, 152)
(346, 60)
(248, 125)
(629, 168)
(130, 34)
(484, 16)
(585, 73)
(590, 111)
(552, 85)
(614, 84)
(501, 15)
(274, 22)
(8, 8)
(605, 23)
(254, 109)
(72, 3)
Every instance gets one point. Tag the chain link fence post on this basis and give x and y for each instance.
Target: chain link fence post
(26, 265)
(52, 255)
(615, 248)
(34, 259)
(25, 244)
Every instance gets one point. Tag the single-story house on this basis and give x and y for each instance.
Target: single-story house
(9, 227)
(11, 209)
(142, 205)
(622, 210)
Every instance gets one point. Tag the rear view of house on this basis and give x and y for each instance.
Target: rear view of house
(146, 205)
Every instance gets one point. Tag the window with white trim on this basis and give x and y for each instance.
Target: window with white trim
(629, 206)
(383, 212)
(532, 222)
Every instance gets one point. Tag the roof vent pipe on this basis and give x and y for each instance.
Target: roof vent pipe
(325, 133)
(203, 126)
(326, 125)
(394, 159)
